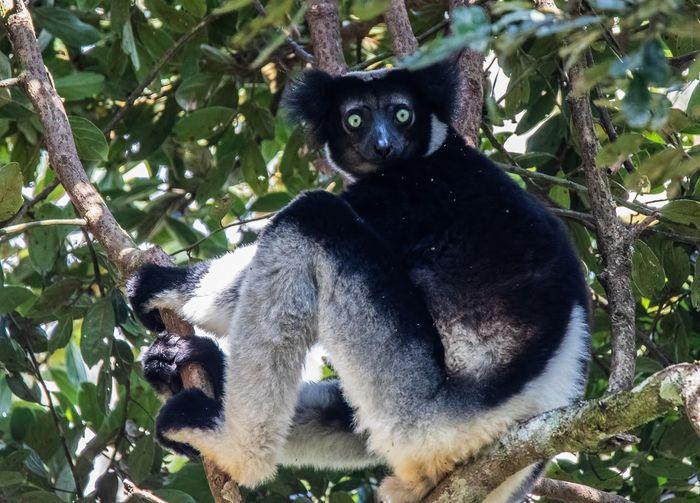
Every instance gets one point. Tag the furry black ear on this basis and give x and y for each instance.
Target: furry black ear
(307, 100)
(438, 84)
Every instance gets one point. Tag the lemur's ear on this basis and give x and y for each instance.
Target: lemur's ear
(438, 84)
(307, 99)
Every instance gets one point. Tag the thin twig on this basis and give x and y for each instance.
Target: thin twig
(227, 226)
(18, 228)
(56, 419)
(164, 59)
(293, 44)
(131, 488)
(95, 263)
(13, 81)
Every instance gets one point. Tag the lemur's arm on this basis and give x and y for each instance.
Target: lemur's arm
(321, 434)
(204, 294)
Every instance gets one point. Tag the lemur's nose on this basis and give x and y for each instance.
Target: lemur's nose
(382, 148)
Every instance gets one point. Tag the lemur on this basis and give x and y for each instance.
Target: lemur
(451, 303)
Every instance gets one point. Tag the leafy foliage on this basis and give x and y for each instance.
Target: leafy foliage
(204, 149)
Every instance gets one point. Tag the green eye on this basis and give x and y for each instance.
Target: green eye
(403, 115)
(354, 121)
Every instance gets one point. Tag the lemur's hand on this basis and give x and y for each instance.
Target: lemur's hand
(186, 408)
(141, 287)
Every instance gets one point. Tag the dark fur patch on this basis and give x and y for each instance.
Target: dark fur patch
(152, 279)
(168, 354)
(190, 408)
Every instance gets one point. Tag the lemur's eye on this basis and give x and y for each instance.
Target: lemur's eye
(353, 120)
(403, 115)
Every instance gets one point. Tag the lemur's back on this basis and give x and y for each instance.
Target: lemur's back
(495, 267)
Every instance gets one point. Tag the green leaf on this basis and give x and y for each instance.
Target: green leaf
(536, 112)
(56, 295)
(254, 168)
(11, 297)
(619, 150)
(260, 120)
(195, 7)
(10, 190)
(231, 6)
(677, 266)
(11, 479)
(637, 102)
(140, 458)
(78, 86)
(176, 20)
(272, 201)
(194, 90)
(647, 271)
(156, 41)
(20, 421)
(695, 287)
(97, 332)
(75, 367)
(65, 25)
(368, 9)
(203, 123)
(683, 211)
(44, 242)
(22, 390)
(119, 14)
(174, 496)
(91, 409)
(89, 140)
(129, 46)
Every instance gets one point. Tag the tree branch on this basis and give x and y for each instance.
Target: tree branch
(403, 41)
(470, 93)
(574, 493)
(63, 156)
(613, 241)
(16, 229)
(324, 26)
(580, 427)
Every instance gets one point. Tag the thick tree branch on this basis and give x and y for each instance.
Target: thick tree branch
(470, 94)
(580, 427)
(613, 241)
(574, 493)
(403, 40)
(324, 26)
(63, 156)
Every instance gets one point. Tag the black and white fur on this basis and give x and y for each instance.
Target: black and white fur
(451, 303)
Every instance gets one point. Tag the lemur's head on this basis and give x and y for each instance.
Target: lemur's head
(367, 120)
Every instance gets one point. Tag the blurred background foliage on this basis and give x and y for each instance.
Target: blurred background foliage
(201, 156)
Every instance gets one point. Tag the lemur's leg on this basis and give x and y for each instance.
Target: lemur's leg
(322, 433)
(204, 294)
(319, 270)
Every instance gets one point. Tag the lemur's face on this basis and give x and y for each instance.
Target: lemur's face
(370, 120)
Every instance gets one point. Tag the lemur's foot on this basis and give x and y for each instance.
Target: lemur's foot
(185, 417)
(145, 285)
(193, 422)
(186, 409)
(167, 356)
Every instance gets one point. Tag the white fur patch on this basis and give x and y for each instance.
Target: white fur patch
(438, 134)
(204, 308)
(560, 383)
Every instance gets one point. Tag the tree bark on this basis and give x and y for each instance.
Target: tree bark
(324, 26)
(403, 40)
(63, 156)
(580, 427)
(470, 67)
(614, 241)
(569, 492)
